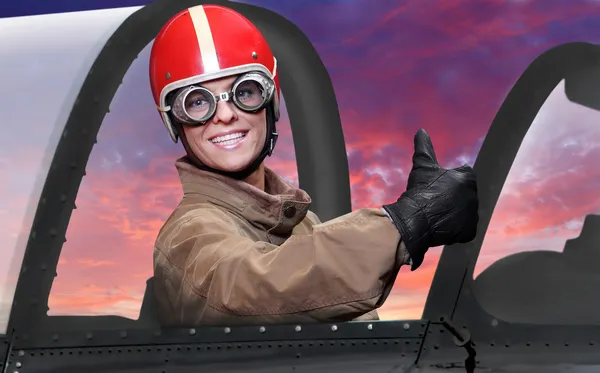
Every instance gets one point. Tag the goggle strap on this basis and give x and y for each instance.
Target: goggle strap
(274, 136)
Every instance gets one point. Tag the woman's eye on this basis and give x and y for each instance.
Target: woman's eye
(245, 93)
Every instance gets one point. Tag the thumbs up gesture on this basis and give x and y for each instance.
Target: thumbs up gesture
(440, 206)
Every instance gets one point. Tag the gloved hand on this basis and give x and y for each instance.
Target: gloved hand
(439, 207)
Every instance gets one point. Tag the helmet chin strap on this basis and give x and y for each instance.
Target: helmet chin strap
(267, 150)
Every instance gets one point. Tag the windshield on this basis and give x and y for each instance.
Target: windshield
(545, 226)
(39, 86)
(130, 188)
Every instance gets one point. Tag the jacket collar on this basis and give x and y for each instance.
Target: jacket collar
(278, 209)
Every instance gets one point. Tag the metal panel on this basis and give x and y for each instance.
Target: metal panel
(346, 347)
(145, 359)
(95, 338)
(541, 351)
(383, 355)
(356, 355)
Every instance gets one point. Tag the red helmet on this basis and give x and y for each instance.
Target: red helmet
(203, 43)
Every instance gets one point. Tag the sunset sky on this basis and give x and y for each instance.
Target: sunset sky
(442, 65)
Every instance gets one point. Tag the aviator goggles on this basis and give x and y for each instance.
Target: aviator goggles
(195, 105)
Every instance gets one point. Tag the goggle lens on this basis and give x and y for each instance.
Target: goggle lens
(199, 104)
(249, 95)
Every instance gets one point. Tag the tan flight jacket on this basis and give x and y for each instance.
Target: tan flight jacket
(232, 254)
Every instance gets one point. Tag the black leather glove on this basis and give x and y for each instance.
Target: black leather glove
(439, 207)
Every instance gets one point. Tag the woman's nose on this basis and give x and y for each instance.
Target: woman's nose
(225, 112)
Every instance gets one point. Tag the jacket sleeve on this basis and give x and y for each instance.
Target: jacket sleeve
(344, 269)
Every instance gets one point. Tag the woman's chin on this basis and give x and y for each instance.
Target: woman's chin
(233, 167)
(229, 161)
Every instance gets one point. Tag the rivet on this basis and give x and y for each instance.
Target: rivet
(52, 232)
(370, 326)
(262, 329)
(55, 337)
(123, 334)
(21, 353)
(168, 75)
(43, 267)
(334, 327)
(406, 326)
(192, 331)
(89, 335)
(298, 328)
(494, 322)
(254, 55)
(18, 364)
(227, 330)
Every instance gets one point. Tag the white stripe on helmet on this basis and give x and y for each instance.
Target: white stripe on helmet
(206, 42)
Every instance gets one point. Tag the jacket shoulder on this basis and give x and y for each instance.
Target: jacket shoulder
(189, 220)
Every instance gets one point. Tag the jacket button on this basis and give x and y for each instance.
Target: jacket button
(289, 212)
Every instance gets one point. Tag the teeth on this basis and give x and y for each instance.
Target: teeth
(231, 136)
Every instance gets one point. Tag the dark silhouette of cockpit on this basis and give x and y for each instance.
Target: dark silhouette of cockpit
(149, 310)
(549, 287)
